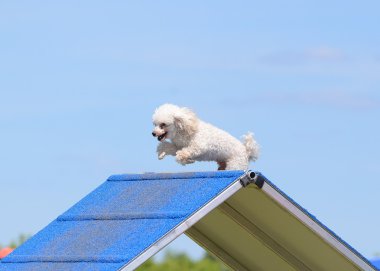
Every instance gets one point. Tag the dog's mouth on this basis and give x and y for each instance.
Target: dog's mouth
(161, 137)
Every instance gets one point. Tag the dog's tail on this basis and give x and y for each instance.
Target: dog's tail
(251, 146)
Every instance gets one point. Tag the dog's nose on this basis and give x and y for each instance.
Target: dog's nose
(153, 134)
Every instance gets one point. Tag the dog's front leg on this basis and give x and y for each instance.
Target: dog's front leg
(166, 148)
(185, 156)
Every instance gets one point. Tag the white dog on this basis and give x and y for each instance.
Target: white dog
(194, 140)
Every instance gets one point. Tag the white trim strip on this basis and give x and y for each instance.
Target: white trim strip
(219, 252)
(315, 227)
(258, 234)
(181, 228)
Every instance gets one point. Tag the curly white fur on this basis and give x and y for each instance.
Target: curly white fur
(194, 140)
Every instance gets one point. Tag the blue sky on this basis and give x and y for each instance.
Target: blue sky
(80, 80)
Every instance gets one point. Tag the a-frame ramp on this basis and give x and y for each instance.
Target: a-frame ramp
(239, 216)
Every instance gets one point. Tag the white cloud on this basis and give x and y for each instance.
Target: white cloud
(341, 98)
(328, 98)
(331, 98)
(325, 53)
(308, 55)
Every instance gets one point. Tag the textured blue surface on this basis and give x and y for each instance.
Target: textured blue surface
(118, 221)
(376, 263)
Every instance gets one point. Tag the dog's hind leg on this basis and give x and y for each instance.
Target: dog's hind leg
(222, 165)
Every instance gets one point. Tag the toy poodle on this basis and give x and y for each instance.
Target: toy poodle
(192, 140)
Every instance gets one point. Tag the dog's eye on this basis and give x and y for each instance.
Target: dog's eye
(162, 125)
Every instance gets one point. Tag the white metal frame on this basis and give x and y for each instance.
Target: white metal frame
(316, 227)
(273, 193)
(185, 225)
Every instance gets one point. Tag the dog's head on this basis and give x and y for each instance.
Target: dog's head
(171, 121)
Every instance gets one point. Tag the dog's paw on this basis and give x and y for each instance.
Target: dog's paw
(183, 157)
(162, 150)
(161, 155)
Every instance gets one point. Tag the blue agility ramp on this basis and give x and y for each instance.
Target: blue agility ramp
(376, 263)
(239, 216)
(118, 221)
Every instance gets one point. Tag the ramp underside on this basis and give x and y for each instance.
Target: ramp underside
(255, 230)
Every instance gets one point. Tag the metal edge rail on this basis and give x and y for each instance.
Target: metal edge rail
(185, 225)
(311, 222)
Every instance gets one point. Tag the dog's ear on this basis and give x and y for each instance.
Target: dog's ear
(186, 121)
